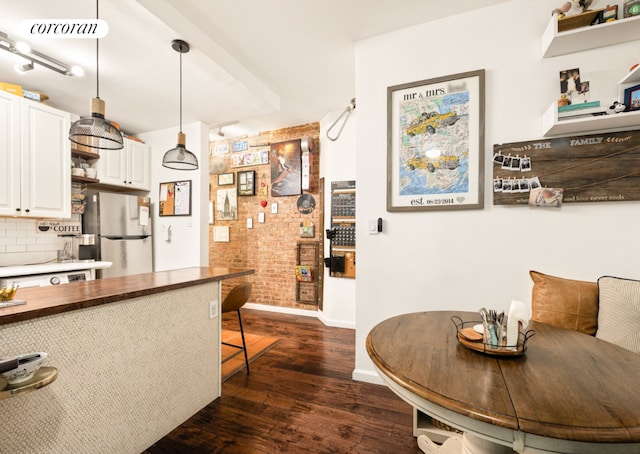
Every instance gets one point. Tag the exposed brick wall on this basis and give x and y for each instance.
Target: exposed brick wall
(269, 248)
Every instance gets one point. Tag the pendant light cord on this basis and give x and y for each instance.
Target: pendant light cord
(180, 91)
(97, 57)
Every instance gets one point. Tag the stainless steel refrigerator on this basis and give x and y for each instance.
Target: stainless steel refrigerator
(121, 224)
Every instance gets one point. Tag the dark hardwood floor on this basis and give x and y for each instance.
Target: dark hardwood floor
(299, 398)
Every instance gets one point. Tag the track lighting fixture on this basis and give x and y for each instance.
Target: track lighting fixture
(24, 50)
(23, 68)
(219, 132)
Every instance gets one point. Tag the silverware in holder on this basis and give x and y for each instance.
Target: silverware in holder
(473, 335)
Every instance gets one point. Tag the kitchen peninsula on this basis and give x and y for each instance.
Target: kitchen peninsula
(136, 356)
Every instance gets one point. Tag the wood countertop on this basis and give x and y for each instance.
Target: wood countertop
(44, 301)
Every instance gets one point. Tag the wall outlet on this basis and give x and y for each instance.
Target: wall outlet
(213, 309)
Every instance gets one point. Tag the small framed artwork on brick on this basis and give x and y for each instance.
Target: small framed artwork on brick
(226, 179)
(247, 182)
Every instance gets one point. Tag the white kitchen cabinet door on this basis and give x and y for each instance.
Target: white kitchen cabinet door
(46, 161)
(129, 167)
(9, 154)
(35, 159)
(138, 165)
(112, 167)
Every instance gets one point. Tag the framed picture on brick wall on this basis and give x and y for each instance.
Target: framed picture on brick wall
(226, 205)
(286, 166)
(247, 182)
(226, 179)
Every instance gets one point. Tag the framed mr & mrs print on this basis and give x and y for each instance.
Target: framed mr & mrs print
(435, 143)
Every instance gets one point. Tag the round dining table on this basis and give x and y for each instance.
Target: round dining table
(567, 392)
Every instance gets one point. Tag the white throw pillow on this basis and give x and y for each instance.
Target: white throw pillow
(619, 312)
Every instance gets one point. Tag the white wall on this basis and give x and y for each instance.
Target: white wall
(337, 163)
(189, 244)
(460, 260)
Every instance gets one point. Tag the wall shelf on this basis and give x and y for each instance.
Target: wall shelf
(79, 179)
(633, 77)
(84, 154)
(551, 126)
(554, 43)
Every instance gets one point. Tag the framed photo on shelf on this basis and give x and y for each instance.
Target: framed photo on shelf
(631, 8)
(226, 179)
(247, 182)
(435, 143)
(632, 98)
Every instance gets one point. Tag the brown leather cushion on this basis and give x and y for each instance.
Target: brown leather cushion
(565, 303)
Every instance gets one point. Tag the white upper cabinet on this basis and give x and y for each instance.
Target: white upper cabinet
(9, 153)
(129, 167)
(35, 159)
(138, 165)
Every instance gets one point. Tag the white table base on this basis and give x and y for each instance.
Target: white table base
(462, 444)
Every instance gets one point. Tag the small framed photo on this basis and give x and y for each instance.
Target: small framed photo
(226, 179)
(632, 98)
(609, 14)
(247, 182)
(631, 8)
(570, 81)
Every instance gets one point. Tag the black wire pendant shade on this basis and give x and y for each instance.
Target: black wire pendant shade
(95, 131)
(179, 158)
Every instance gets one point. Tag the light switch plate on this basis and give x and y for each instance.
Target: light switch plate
(261, 217)
(274, 208)
(249, 223)
(373, 226)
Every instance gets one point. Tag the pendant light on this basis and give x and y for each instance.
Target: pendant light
(179, 157)
(95, 131)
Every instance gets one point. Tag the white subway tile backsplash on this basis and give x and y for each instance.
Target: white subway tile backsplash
(16, 234)
(9, 225)
(40, 248)
(19, 237)
(47, 239)
(16, 248)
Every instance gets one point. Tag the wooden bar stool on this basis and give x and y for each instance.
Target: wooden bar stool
(236, 298)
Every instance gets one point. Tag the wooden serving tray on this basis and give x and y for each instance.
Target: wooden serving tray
(470, 334)
(488, 349)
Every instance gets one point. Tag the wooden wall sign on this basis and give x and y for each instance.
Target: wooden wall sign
(592, 168)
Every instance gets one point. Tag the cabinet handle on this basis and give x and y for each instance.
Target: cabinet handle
(26, 211)
(18, 210)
